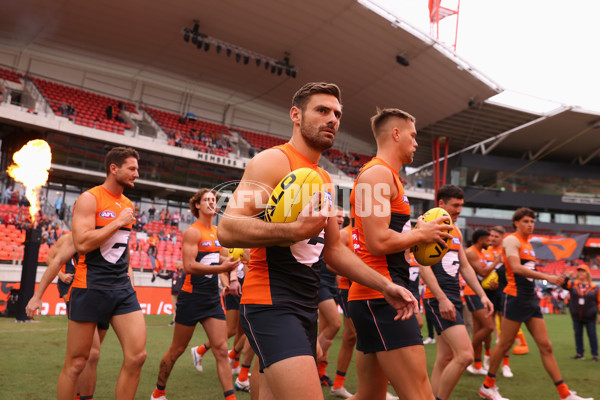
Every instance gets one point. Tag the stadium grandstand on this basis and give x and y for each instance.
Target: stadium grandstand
(200, 88)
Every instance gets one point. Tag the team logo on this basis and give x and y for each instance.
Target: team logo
(217, 243)
(405, 199)
(206, 243)
(108, 214)
(456, 241)
(525, 251)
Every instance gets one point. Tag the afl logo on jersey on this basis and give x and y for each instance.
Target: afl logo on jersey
(206, 243)
(108, 214)
(456, 240)
(405, 199)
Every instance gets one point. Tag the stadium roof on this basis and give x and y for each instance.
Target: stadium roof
(340, 41)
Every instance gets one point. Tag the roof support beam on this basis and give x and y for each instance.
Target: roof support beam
(496, 140)
(530, 155)
(583, 161)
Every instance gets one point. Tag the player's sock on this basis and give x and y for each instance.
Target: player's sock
(86, 397)
(202, 349)
(322, 367)
(338, 381)
(478, 364)
(159, 391)
(490, 380)
(229, 395)
(234, 354)
(488, 352)
(563, 389)
(236, 362)
(243, 376)
(505, 360)
(77, 396)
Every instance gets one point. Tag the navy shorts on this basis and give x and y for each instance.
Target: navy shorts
(193, 308)
(101, 325)
(376, 329)
(521, 309)
(279, 332)
(432, 307)
(343, 301)
(233, 302)
(327, 293)
(99, 305)
(473, 302)
(62, 287)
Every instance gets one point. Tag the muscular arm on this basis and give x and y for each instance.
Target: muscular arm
(511, 248)
(189, 251)
(240, 228)
(62, 251)
(375, 204)
(478, 266)
(85, 235)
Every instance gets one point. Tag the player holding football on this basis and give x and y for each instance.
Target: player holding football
(279, 302)
(521, 305)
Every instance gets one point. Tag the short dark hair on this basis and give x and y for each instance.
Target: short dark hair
(478, 234)
(305, 92)
(448, 192)
(117, 156)
(498, 228)
(197, 198)
(520, 213)
(382, 115)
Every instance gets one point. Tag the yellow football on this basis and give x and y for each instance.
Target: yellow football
(431, 253)
(235, 253)
(491, 278)
(291, 195)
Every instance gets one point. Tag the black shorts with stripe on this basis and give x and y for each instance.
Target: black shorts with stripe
(100, 305)
(432, 307)
(521, 309)
(193, 308)
(473, 302)
(376, 329)
(279, 332)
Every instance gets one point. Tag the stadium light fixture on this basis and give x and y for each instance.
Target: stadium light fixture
(201, 40)
(402, 60)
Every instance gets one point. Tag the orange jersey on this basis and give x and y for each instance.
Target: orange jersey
(519, 285)
(491, 253)
(208, 254)
(394, 266)
(343, 282)
(277, 274)
(483, 261)
(446, 271)
(106, 266)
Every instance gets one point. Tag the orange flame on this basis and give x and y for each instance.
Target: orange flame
(31, 165)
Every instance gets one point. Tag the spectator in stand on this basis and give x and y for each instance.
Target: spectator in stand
(168, 217)
(143, 220)
(584, 306)
(162, 236)
(109, 112)
(177, 278)
(151, 212)
(152, 243)
(175, 218)
(59, 203)
(7, 195)
(162, 215)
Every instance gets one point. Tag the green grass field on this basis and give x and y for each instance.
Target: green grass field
(32, 356)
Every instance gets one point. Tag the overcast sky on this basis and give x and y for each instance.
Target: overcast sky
(546, 49)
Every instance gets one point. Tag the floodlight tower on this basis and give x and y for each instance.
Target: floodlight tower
(437, 13)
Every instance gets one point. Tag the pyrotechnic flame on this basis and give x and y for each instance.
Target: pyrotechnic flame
(31, 165)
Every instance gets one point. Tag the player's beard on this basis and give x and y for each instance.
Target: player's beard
(312, 137)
